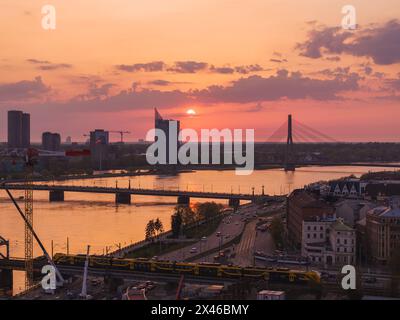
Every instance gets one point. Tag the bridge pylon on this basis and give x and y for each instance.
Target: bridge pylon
(289, 156)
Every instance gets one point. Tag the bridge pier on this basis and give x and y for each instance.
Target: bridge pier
(6, 279)
(56, 196)
(123, 198)
(184, 200)
(234, 202)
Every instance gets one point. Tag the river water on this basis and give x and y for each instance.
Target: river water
(95, 220)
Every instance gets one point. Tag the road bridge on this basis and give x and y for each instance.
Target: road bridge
(123, 195)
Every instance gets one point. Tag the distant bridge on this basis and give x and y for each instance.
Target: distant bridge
(123, 195)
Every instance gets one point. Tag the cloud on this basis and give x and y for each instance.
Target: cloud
(23, 90)
(222, 70)
(278, 60)
(46, 65)
(381, 43)
(154, 66)
(161, 83)
(249, 69)
(283, 85)
(188, 67)
(55, 66)
(36, 61)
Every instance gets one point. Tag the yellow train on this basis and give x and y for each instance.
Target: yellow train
(278, 275)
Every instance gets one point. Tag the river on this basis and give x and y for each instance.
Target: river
(95, 220)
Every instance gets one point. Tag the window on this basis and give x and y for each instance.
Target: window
(321, 235)
(345, 241)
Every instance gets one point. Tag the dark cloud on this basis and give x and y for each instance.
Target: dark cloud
(188, 67)
(46, 65)
(154, 66)
(278, 60)
(282, 85)
(222, 70)
(36, 61)
(99, 91)
(55, 66)
(161, 83)
(25, 89)
(333, 58)
(249, 69)
(380, 43)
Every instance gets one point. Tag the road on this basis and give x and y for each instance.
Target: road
(231, 227)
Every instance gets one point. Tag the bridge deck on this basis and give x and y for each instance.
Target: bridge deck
(134, 191)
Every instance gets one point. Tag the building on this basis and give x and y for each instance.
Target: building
(99, 141)
(301, 205)
(99, 137)
(68, 140)
(51, 141)
(352, 210)
(328, 241)
(382, 190)
(18, 129)
(350, 188)
(271, 295)
(383, 232)
(171, 141)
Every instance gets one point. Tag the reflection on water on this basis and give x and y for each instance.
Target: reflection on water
(87, 218)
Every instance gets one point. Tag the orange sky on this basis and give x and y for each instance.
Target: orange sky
(101, 48)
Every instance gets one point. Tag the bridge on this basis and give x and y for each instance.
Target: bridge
(123, 195)
(292, 131)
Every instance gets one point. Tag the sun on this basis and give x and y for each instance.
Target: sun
(191, 112)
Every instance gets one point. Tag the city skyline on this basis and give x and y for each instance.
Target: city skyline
(282, 59)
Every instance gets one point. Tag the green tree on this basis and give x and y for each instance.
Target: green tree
(150, 230)
(207, 210)
(176, 224)
(277, 230)
(158, 227)
(187, 214)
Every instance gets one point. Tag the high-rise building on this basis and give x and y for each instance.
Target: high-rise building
(99, 137)
(165, 125)
(99, 140)
(51, 141)
(18, 129)
(26, 130)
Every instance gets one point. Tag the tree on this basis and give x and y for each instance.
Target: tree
(150, 230)
(187, 214)
(277, 230)
(207, 210)
(158, 227)
(176, 224)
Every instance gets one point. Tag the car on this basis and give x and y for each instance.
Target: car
(237, 223)
(218, 233)
(204, 238)
(193, 250)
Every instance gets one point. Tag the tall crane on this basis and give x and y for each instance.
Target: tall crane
(121, 133)
(30, 157)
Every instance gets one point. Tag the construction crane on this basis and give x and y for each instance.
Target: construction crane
(30, 157)
(121, 133)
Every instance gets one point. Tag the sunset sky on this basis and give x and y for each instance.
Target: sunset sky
(237, 64)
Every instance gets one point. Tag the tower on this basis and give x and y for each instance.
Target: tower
(289, 159)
